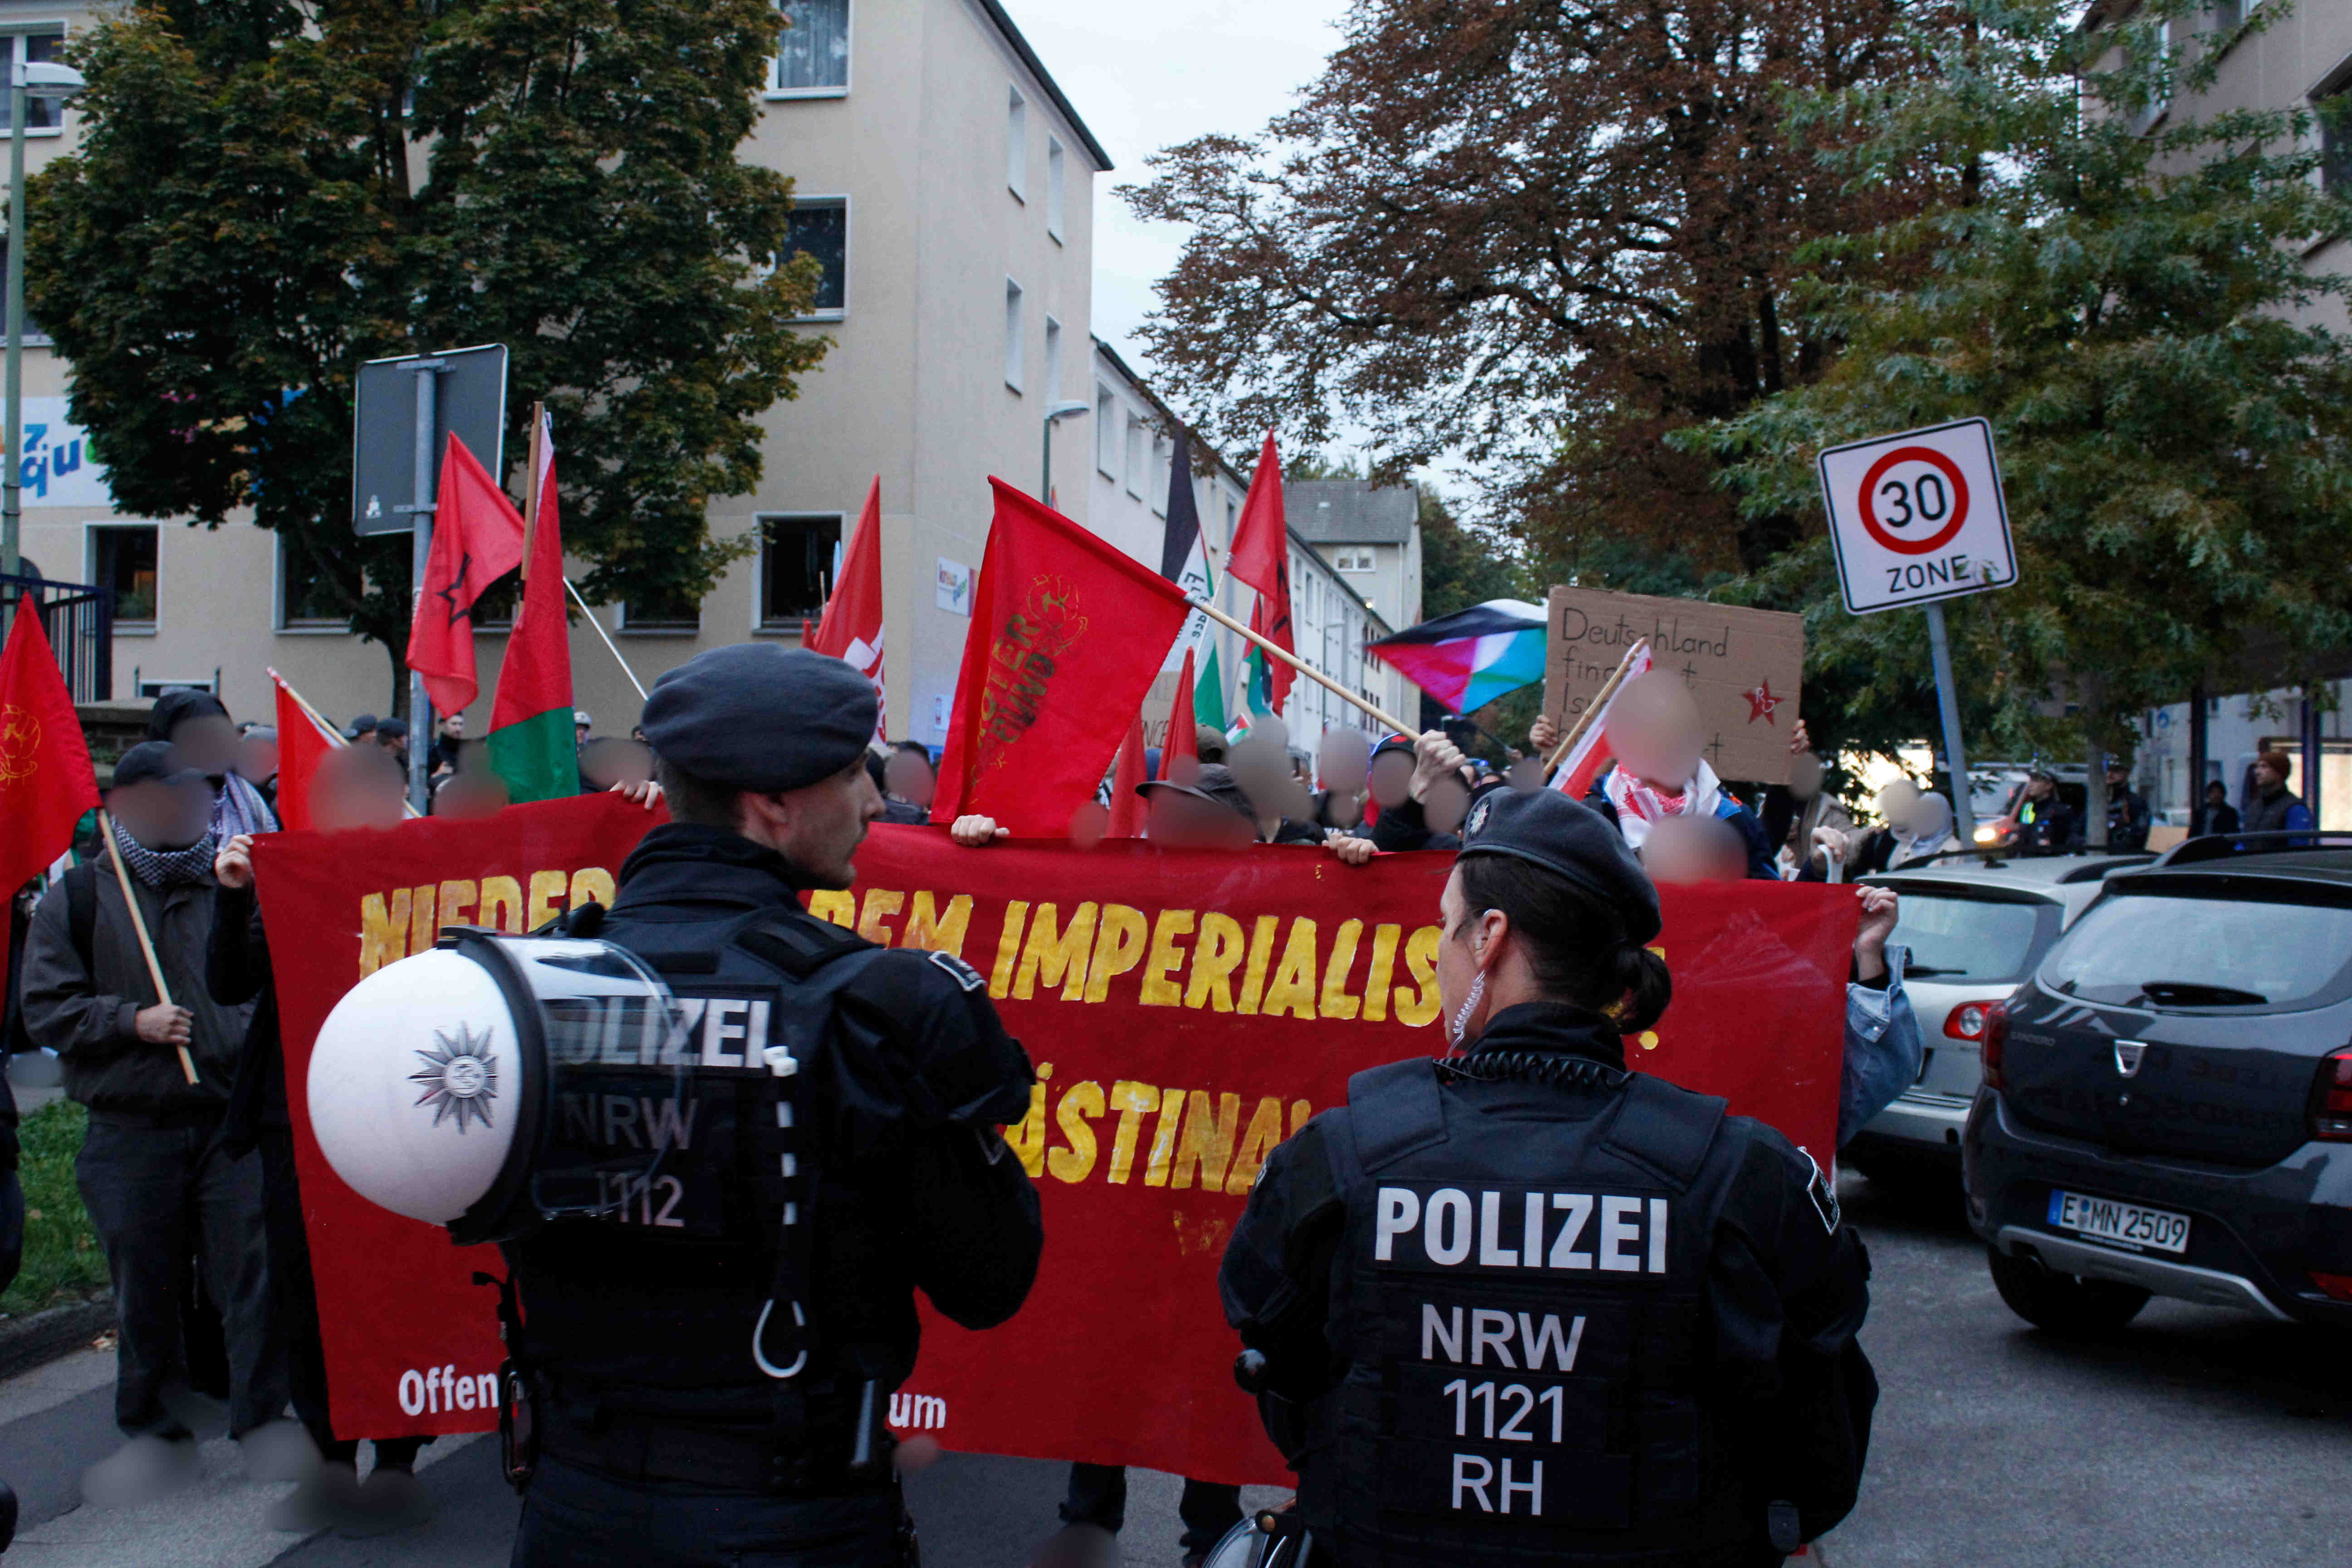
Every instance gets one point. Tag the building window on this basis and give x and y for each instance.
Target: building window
(812, 50)
(2333, 113)
(1016, 143)
(40, 113)
(1105, 433)
(1134, 455)
(1052, 359)
(1013, 334)
(819, 226)
(796, 564)
(122, 557)
(1353, 560)
(1053, 162)
(1156, 478)
(666, 612)
(305, 600)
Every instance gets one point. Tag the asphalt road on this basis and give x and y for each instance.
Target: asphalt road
(2196, 1436)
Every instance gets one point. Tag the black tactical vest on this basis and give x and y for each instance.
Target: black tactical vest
(1520, 1304)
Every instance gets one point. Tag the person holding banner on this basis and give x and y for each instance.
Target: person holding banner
(1520, 1305)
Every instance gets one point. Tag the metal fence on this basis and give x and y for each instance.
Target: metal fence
(79, 618)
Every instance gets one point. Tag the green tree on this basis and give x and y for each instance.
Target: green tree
(2121, 293)
(270, 192)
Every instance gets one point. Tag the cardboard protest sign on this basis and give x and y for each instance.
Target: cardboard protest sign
(1185, 1010)
(1743, 665)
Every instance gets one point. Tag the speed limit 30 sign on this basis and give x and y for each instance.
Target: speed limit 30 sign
(1918, 517)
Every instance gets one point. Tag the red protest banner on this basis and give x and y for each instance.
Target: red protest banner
(1185, 1010)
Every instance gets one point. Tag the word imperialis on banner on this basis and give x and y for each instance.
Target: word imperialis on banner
(1185, 1010)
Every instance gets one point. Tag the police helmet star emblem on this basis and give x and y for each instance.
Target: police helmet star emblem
(1478, 815)
(459, 1078)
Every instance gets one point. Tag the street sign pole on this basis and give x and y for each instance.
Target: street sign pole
(1964, 817)
(420, 706)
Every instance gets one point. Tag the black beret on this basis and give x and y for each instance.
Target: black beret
(1570, 840)
(177, 706)
(759, 717)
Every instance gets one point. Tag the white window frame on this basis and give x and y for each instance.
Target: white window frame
(621, 626)
(31, 27)
(1107, 434)
(89, 532)
(1052, 359)
(1134, 454)
(1155, 484)
(760, 625)
(779, 94)
(1015, 328)
(840, 312)
(1057, 161)
(1016, 144)
(277, 621)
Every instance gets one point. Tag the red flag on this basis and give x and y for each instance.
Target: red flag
(45, 779)
(1126, 813)
(1261, 558)
(851, 627)
(301, 744)
(1066, 636)
(476, 539)
(1183, 741)
(534, 746)
(1594, 752)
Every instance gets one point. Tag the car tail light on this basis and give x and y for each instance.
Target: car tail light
(2331, 1099)
(1992, 1040)
(2336, 1285)
(1966, 1022)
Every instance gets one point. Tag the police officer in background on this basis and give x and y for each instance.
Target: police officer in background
(1520, 1305)
(682, 1415)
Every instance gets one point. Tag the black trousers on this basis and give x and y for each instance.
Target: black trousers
(1099, 1496)
(12, 1223)
(155, 1195)
(295, 1297)
(577, 1518)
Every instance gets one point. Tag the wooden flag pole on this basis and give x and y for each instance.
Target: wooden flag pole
(530, 485)
(1390, 721)
(1592, 710)
(139, 924)
(334, 736)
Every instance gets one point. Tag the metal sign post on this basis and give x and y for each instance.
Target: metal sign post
(1964, 815)
(420, 706)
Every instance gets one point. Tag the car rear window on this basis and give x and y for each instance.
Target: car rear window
(2143, 949)
(1965, 941)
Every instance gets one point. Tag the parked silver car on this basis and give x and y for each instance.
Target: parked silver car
(1976, 927)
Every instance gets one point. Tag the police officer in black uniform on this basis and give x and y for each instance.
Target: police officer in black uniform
(1520, 1305)
(709, 1371)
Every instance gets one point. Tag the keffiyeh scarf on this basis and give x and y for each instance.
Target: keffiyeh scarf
(1639, 805)
(167, 868)
(240, 808)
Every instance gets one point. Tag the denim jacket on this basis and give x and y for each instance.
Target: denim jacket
(1882, 1049)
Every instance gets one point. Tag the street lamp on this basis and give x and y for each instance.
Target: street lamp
(27, 79)
(1055, 412)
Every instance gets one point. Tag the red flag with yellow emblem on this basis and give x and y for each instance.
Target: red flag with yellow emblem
(45, 779)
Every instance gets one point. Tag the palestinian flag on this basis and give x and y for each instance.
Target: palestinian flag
(1471, 657)
(532, 744)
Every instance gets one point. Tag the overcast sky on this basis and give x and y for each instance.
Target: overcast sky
(1145, 77)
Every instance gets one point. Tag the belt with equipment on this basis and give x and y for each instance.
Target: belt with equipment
(632, 1449)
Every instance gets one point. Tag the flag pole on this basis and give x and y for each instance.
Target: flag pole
(139, 924)
(530, 487)
(334, 737)
(1388, 719)
(1592, 710)
(608, 640)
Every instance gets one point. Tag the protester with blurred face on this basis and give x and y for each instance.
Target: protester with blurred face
(154, 1182)
(1662, 772)
(257, 760)
(608, 761)
(1429, 813)
(470, 795)
(392, 735)
(1282, 809)
(1343, 764)
(908, 782)
(196, 724)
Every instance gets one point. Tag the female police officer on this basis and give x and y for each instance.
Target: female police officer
(1518, 1305)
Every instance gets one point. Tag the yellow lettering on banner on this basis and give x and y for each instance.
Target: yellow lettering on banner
(1008, 945)
(1133, 1101)
(1420, 957)
(1336, 1003)
(1264, 1132)
(590, 884)
(1376, 984)
(1159, 990)
(840, 907)
(881, 903)
(936, 932)
(1293, 990)
(384, 931)
(1300, 1111)
(501, 905)
(456, 902)
(1057, 956)
(1118, 949)
(1163, 1137)
(421, 927)
(1077, 1162)
(1028, 1140)
(1254, 978)
(1208, 1141)
(546, 887)
(1214, 958)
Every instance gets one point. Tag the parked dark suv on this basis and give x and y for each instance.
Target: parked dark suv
(2167, 1106)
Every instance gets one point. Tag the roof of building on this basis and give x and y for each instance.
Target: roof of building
(1351, 512)
(1052, 91)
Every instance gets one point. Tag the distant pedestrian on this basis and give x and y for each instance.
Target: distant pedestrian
(2046, 823)
(2276, 809)
(580, 725)
(448, 744)
(2128, 817)
(2216, 815)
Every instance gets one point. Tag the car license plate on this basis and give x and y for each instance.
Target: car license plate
(2128, 1224)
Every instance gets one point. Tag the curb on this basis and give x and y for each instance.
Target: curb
(28, 1341)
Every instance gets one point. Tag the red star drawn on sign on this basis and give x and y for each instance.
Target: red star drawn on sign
(1761, 702)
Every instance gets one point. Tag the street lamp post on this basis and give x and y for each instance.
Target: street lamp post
(1053, 416)
(27, 79)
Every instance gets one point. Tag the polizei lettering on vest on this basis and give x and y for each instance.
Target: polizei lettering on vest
(1564, 1231)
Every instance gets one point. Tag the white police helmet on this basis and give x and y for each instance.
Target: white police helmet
(438, 1084)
